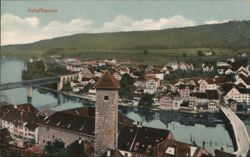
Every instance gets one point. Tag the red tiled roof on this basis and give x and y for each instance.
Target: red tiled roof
(107, 82)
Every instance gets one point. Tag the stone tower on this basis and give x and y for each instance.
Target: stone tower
(106, 120)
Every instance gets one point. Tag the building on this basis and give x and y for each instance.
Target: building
(85, 73)
(179, 149)
(185, 91)
(106, 118)
(140, 141)
(243, 79)
(207, 84)
(207, 68)
(71, 125)
(66, 127)
(21, 121)
(239, 95)
(209, 98)
(151, 85)
(170, 101)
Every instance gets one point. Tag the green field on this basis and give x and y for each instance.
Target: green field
(155, 47)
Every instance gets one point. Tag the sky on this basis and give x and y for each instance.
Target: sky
(26, 21)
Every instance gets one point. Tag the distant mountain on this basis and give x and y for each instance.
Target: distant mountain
(227, 35)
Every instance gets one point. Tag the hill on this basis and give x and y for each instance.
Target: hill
(231, 35)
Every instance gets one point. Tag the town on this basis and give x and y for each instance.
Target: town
(125, 78)
(174, 86)
(177, 86)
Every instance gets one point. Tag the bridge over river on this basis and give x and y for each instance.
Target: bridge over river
(240, 132)
(60, 80)
(27, 83)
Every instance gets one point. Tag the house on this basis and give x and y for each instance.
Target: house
(170, 101)
(117, 76)
(212, 83)
(156, 73)
(151, 85)
(91, 93)
(190, 66)
(222, 69)
(101, 63)
(238, 95)
(21, 121)
(74, 67)
(85, 73)
(141, 141)
(110, 62)
(242, 54)
(243, 80)
(185, 81)
(210, 97)
(207, 67)
(209, 53)
(207, 84)
(169, 69)
(182, 66)
(174, 66)
(222, 64)
(92, 63)
(185, 91)
(229, 71)
(197, 98)
(123, 70)
(173, 148)
(243, 70)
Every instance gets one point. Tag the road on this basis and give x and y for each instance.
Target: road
(240, 132)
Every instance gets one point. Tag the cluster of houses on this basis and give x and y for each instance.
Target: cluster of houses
(187, 94)
(29, 128)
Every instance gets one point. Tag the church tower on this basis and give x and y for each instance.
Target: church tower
(106, 117)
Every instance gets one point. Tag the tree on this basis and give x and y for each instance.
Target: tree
(145, 52)
(184, 54)
(86, 88)
(146, 100)
(199, 53)
(127, 87)
(55, 149)
(76, 149)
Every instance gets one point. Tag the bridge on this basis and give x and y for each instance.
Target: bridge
(240, 132)
(27, 83)
(60, 80)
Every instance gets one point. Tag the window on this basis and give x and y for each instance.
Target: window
(106, 98)
(53, 137)
(43, 141)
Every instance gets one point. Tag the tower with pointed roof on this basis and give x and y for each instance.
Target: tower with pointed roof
(106, 120)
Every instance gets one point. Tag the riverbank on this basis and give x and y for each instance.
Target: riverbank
(87, 98)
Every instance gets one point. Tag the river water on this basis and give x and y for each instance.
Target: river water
(188, 128)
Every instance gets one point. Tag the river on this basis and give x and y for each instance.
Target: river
(185, 127)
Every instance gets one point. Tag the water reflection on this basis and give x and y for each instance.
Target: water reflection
(201, 129)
